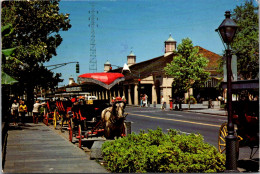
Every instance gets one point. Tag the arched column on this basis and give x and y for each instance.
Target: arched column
(124, 91)
(154, 95)
(136, 95)
(129, 95)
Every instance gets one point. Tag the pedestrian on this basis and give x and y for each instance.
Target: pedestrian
(36, 107)
(146, 98)
(144, 101)
(162, 103)
(141, 100)
(22, 111)
(14, 111)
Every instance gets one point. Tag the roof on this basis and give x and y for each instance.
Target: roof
(107, 63)
(212, 57)
(157, 64)
(131, 54)
(146, 68)
(170, 39)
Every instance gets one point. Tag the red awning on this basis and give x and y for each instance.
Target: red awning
(106, 80)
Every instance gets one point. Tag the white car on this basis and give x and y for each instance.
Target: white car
(91, 98)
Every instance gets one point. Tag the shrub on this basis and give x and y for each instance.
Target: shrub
(156, 151)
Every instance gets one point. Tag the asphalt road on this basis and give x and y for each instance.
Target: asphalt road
(186, 122)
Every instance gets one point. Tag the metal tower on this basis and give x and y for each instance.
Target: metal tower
(92, 25)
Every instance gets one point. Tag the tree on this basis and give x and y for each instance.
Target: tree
(35, 37)
(246, 43)
(188, 67)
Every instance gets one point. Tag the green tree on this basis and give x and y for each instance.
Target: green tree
(35, 37)
(188, 67)
(246, 43)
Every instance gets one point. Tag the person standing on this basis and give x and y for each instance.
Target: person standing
(22, 111)
(14, 111)
(36, 107)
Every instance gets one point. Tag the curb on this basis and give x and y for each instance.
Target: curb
(219, 114)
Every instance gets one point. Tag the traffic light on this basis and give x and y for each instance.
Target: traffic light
(139, 84)
(77, 68)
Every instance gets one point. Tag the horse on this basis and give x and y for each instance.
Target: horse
(113, 120)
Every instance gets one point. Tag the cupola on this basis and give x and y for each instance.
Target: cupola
(107, 66)
(170, 46)
(131, 59)
(71, 80)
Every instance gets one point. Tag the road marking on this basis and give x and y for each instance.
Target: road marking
(170, 119)
(175, 115)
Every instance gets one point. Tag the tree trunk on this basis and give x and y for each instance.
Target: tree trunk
(189, 98)
(30, 97)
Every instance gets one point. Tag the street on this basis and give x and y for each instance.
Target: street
(186, 122)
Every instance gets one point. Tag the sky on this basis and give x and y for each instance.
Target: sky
(140, 26)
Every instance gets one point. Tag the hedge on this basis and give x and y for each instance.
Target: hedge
(156, 151)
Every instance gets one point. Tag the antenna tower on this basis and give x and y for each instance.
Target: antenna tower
(92, 25)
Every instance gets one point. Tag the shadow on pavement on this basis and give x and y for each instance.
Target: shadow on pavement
(249, 165)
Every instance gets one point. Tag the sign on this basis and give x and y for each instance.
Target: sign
(233, 68)
(73, 89)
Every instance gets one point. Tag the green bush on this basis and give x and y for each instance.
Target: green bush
(192, 100)
(156, 151)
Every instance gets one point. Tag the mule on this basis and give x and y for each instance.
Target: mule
(113, 120)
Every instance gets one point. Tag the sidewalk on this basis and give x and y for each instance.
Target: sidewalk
(35, 148)
(220, 112)
(197, 108)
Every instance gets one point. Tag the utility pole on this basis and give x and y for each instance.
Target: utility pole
(92, 25)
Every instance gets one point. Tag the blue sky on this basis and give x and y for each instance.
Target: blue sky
(138, 25)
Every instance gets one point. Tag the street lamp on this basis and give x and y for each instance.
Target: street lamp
(227, 31)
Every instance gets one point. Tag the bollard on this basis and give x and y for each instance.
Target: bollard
(154, 104)
(128, 127)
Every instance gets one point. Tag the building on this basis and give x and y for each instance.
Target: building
(148, 77)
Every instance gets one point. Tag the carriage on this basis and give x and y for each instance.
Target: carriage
(63, 107)
(245, 106)
(50, 113)
(85, 116)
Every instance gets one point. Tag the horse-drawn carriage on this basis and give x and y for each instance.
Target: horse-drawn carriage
(50, 112)
(95, 118)
(245, 117)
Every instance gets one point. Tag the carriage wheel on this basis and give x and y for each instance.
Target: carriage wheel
(44, 116)
(223, 132)
(54, 119)
(222, 138)
(70, 130)
(47, 119)
(80, 135)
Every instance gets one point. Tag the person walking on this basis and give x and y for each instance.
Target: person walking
(36, 107)
(141, 100)
(22, 111)
(146, 98)
(14, 111)
(162, 103)
(144, 101)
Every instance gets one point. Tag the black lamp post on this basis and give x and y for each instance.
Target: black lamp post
(227, 31)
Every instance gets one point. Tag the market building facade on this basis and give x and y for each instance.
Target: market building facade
(148, 77)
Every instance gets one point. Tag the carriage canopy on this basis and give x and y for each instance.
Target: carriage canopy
(106, 80)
